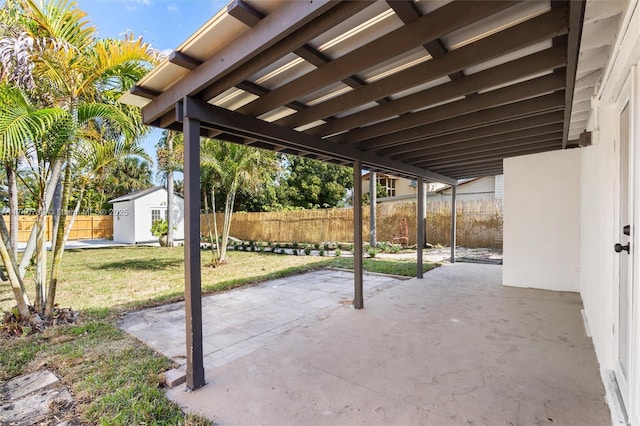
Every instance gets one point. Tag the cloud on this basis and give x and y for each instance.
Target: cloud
(172, 8)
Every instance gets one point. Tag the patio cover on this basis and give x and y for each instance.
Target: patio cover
(429, 90)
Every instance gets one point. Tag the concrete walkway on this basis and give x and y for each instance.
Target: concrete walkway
(454, 348)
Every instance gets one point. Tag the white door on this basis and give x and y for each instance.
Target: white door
(625, 252)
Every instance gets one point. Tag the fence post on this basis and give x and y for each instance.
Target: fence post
(453, 223)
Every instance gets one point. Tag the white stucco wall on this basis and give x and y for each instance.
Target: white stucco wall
(600, 208)
(541, 221)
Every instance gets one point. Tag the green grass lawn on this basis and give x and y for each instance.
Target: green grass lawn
(115, 379)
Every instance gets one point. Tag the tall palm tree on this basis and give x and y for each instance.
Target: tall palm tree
(170, 154)
(233, 166)
(62, 64)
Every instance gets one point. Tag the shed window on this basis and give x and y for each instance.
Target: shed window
(156, 215)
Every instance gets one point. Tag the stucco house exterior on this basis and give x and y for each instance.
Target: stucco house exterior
(134, 213)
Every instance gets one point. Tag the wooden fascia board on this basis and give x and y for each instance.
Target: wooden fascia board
(525, 34)
(524, 90)
(527, 66)
(236, 123)
(576, 20)
(261, 37)
(443, 20)
(405, 151)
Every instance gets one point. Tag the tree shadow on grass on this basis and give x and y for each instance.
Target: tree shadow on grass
(140, 264)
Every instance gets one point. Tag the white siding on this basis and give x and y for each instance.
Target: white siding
(499, 186)
(477, 189)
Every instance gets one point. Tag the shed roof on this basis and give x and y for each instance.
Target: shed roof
(444, 90)
(139, 194)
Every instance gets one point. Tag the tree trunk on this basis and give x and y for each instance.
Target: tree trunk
(11, 265)
(12, 184)
(16, 283)
(170, 193)
(31, 246)
(58, 248)
(226, 227)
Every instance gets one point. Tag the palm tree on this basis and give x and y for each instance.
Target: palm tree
(63, 65)
(127, 175)
(170, 153)
(232, 166)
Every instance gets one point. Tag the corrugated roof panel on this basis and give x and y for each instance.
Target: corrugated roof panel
(500, 21)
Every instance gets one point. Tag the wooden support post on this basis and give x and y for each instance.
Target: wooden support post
(358, 299)
(192, 271)
(373, 198)
(420, 231)
(453, 223)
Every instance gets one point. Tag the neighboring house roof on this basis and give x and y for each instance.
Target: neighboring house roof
(463, 182)
(138, 194)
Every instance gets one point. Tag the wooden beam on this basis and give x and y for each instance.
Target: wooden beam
(264, 36)
(477, 120)
(475, 161)
(184, 61)
(576, 19)
(338, 13)
(239, 124)
(496, 132)
(244, 12)
(488, 149)
(192, 267)
(358, 298)
(144, 92)
(443, 20)
(250, 16)
(408, 11)
(506, 41)
(527, 66)
(527, 89)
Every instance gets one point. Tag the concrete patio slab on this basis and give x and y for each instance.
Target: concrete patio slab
(238, 322)
(454, 348)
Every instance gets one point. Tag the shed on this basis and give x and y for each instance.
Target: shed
(134, 213)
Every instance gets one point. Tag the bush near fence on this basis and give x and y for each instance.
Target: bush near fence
(84, 227)
(479, 223)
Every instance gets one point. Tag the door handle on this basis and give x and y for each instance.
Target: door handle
(619, 247)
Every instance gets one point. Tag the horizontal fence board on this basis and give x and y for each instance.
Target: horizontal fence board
(84, 227)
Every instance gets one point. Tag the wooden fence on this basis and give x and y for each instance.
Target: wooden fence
(84, 227)
(479, 224)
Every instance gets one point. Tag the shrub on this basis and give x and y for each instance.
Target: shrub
(338, 252)
(372, 252)
(322, 252)
(317, 246)
(307, 251)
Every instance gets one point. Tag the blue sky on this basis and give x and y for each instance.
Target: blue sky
(162, 23)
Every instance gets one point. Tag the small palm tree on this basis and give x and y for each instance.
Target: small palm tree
(230, 167)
